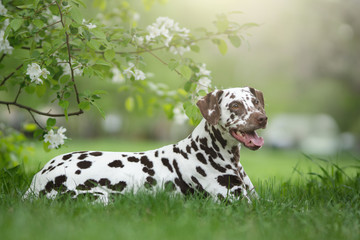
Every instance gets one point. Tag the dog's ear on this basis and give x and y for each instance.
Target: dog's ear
(259, 95)
(209, 106)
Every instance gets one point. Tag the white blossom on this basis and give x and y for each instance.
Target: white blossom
(179, 115)
(139, 75)
(117, 76)
(138, 40)
(133, 71)
(167, 28)
(3, 10)
(128, 72)
(44, 73)
(77, 70)
(88, 25)
(203, 84)
(203, 71)
(4, 44)
(55, 139)
(136, 17)
(179, 50)
(35, 72)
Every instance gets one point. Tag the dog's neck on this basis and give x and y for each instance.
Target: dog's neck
(210, 138)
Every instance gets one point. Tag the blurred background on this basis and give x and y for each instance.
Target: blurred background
(304, 56)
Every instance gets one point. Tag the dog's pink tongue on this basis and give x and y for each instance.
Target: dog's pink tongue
(254, 138)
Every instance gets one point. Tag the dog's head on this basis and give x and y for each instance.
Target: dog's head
(240, 111)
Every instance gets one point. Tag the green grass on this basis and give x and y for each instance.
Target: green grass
(325, 205)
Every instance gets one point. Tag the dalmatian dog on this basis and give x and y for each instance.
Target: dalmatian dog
(207, 161)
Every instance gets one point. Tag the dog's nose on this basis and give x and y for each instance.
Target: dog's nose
(262, 119)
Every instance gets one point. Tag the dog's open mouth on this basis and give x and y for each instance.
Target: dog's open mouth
(250, 139)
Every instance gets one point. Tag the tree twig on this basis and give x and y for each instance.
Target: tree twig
(162, 61)
(2, 57)
(33, 117)
(17, 95)
(10, 75)
(39, 112)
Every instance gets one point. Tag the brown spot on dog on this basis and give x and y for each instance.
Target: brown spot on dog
(201, 158)
(84, 164)
(133, 159)
(229, 181)
(82, 156)
(67, 156)
(96, 154)
(145, 161)
(201, 171)
(167, 164)
(116, 164)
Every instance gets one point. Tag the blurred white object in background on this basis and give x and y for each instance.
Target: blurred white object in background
(112, 123)
(312, 134)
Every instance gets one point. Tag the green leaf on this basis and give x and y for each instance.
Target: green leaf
(99, 92)
(84, 105)
(64, 79)
(202, 93)
(235, 40)
(38, 133)
(54, 9)
(192, 112)
(195, 48)
(38, 23)
(187, 86)
(169, 110)
(173, 64)
(139, 101)
(35, 54)
(73, 30)
(16, 23)
(30, 89)
(56, 87)
(102, 63)
(64, 104)
(185, 71)
(129, 104)
(46, 146)
(98, 33)
(80, 2)
(30, 127)
(101, 111)
(25, 6)
(88, 71)
(222, 46)
(101, 4)
(94, 44)
(76, 15)
(51, 122)
(67, 95)
(40, 90)
(109, 54)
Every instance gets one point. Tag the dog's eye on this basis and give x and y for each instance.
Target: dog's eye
(256, 102)
(235, 105)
